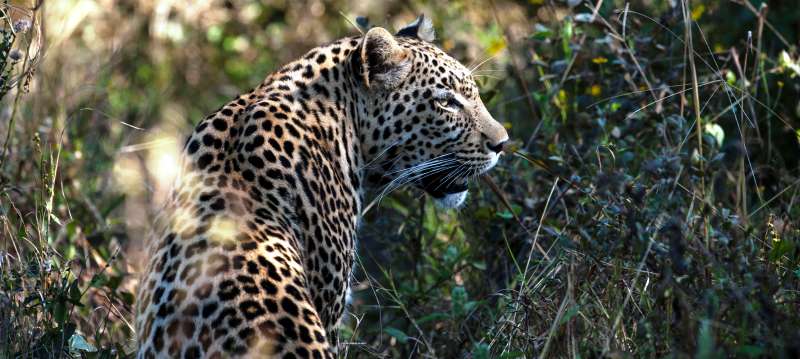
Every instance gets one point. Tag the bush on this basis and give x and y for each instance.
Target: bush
(646, 207)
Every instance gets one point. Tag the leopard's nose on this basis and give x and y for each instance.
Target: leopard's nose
(496, 147)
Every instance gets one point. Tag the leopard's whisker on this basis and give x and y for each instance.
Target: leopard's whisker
(451, 177)
(472, 70)
(425, 164)
(413, 173)
(384, 151)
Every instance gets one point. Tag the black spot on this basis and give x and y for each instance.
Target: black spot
(220, 124)
(302, 352)
(156, 298)
(193, 147)
(305, 334)
(195, 248)
(285, 163)
(274, 174)
(249, 245)
(248, 284)
(258, 141)
(275, 144)
(229, 344)
(252, 267)
(256, 161)
(228, 290)
(309, 72)
(205, 160)
(218, 205)
(248, 175)
(251, 309)
(269, 287)
(158, 340)
(269, 156)
(292, 290)
(192, 352)
(246, 333)
(289, 306)
(165, 310)
(271, 305)
(288, 147)
(288, 328)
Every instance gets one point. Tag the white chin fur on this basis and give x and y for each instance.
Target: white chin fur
(453, 200)
(492, 162)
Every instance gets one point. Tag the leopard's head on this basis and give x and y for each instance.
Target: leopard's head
(426, 124)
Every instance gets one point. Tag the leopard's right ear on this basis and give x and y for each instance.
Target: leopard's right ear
(384, 63)
(421, 28)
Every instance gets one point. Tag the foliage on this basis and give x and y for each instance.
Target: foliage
(647, 206)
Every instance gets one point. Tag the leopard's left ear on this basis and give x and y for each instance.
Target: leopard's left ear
(421, 28)
(384, 63)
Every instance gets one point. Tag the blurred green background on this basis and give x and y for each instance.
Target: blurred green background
(647, 207)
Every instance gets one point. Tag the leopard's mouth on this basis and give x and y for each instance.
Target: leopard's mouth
(441, 184)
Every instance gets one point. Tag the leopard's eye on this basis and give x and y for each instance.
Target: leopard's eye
(449, 103)
(453, 102)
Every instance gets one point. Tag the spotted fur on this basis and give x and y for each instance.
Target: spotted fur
(252, 254)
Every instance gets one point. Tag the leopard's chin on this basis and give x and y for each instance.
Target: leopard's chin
(446, 191)
(451, 200)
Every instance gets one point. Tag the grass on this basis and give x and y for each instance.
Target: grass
(647, 207)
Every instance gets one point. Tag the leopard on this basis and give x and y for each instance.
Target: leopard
(252, 252)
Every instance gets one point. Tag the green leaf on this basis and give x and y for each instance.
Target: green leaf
(397, 334)
(450, 255)
(469, 306)
(780, 248)
(480, 351)
(74, 293)
(505, 214)
(60, 311)
(716, 132)
(458, 301)
(786, 63)
(541, 32)
(214, 33)
(750, 351)
(705, 340)
(730, 78)
(566, 36)
(571, 312)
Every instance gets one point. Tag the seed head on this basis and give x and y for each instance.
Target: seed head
(15, 55)
(22, 26)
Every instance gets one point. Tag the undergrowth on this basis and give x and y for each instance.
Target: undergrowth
(646, 208)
